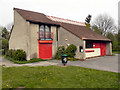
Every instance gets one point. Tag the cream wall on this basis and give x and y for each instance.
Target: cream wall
(108, 48)
(19, 35)
(93, 54)
(64, 35)
(24, 36)
(54, 44)
(34, 48)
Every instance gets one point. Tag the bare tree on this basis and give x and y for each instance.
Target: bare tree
(9, 26)
(105, 24)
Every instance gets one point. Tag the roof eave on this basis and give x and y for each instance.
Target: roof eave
(98, 40)
(37, 22)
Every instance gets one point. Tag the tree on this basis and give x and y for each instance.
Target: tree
(1, 28)
(5, 45)
(88, 19)
(4, 40)
(105, 24)
(118, 37)
(5, 33)
(95, 29)
(114, 40)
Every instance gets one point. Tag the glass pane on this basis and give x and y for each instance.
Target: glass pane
(41, 28)
(47, 32)
(47, 29)
(41, 32)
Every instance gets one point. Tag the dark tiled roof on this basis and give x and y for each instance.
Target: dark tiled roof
(83, 32)
(80, 31)
(34, 16)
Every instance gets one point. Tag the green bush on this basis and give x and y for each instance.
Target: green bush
(60, 51)
(25, 61)
(19, 55)
(5, 45)
(70, 51)
(10, 53)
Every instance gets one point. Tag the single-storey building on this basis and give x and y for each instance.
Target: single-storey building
(40, 36)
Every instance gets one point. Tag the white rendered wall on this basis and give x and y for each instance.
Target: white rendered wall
(93, 54)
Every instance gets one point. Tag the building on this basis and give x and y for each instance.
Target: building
(40, 36)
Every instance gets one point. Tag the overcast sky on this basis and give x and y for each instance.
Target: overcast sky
(69, 9)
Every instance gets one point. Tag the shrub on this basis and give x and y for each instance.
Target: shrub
(70, 51)
(10, 53)
(19, 55)
(5, 45)
(60, 51)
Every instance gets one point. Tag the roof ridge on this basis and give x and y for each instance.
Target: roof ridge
(28, 11)
(67, 19)
(57, 19)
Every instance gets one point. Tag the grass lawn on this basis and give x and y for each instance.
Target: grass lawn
(116, 52)
(57, 77)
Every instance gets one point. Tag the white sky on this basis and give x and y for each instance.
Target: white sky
(69, 9)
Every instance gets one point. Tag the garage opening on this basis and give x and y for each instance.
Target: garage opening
(95, 48)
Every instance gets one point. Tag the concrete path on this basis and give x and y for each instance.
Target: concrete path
(107, 63)
(8, 63)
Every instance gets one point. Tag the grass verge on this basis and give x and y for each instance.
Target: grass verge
(57, 77)
(116, 52)
(24, 61)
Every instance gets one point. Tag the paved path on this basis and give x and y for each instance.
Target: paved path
(8, 63)
(107, 63)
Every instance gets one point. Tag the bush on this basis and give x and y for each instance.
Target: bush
(70, 51)
(10, 53)
(19, 55)
(60, 51)
(5, 45)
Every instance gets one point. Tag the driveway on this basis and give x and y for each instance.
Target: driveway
(107, 63)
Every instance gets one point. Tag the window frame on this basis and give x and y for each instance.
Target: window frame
(44, 31)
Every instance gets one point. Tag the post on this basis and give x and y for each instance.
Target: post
(110, 44)
(84, 46)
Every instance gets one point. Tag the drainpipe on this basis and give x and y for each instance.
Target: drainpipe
(57, 36)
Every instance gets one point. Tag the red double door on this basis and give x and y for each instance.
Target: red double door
(45, 49)
(102, 47)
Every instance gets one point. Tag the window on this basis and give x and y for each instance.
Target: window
(89, 44)
(42, 32)
(80, 48)
(45, 32)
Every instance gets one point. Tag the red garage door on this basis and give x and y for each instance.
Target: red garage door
(101, 46)
(102, 49)
(45, 50)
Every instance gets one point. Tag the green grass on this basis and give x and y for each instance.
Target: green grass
(24, 61)
(69, 59)
(116, 52)
(57, 77)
